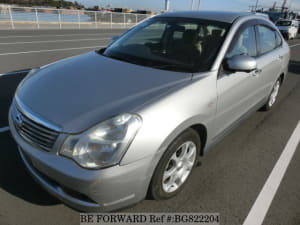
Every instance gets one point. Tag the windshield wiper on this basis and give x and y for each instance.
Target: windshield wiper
(176, 67)
(125, 59)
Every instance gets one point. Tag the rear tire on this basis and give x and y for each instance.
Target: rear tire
(175, 166)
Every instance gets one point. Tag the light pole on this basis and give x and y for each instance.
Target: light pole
(256, 5)
(167, 5)
(199, 4)
(192, 5)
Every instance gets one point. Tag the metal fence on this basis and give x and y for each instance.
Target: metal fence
(45, 18)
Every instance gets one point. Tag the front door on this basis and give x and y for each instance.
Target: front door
(237, 91)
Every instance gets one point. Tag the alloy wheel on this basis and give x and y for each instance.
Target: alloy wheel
(179, 166)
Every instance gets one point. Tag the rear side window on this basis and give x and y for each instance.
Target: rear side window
(245, 44)
(267, 39)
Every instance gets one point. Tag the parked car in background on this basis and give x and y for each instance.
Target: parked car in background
(288, 28)
(298, 21)
(101, 130)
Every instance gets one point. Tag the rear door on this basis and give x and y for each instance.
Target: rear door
(269, 60)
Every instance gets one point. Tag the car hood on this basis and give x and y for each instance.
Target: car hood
(79, 92)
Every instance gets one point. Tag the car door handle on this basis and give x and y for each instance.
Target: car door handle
(257, 72)
(281, 57)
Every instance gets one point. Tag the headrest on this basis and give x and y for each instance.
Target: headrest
(189, 36)
(216, 33)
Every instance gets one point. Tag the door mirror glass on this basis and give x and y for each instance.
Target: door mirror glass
(242, 63)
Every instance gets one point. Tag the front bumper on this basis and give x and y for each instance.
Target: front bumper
(86, 190)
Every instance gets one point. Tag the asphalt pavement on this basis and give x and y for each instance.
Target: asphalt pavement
(29, 49)
(231, 175)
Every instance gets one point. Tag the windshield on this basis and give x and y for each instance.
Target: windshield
(284, 23)
(177, 44)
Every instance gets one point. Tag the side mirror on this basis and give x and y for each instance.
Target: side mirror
(242, 63)
(114, 38)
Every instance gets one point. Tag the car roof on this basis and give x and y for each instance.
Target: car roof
(228, 17)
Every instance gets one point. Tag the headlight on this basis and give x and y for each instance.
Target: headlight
(103, 145)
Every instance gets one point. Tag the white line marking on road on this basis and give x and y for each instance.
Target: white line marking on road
(262, 203)
(58, 35)
(50, 50)
(55, 41)
(4, 129)
(291, 46)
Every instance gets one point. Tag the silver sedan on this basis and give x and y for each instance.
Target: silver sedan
(101, 130)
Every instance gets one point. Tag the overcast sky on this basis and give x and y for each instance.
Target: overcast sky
(235, 5)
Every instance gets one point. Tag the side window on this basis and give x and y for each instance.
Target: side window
(267, 39)
(278, 39)
(245, 44)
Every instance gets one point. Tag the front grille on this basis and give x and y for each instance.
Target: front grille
(34, 133)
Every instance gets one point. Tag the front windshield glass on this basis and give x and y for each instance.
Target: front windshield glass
(177, 44)
(284, 23)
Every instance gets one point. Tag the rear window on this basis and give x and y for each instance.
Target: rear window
(284, 23)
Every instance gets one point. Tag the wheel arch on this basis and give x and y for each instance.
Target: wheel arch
(202, 132)
(282, 78)
(199, 128)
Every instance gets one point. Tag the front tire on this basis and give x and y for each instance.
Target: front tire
(273, 96)
(175, 166)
